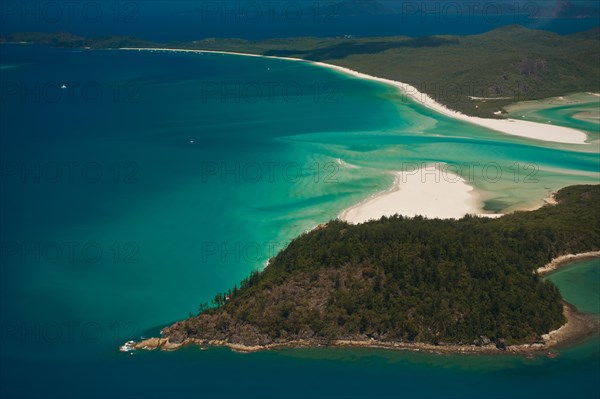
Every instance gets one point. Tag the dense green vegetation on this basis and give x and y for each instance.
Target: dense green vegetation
(409, 280)
(505, 65)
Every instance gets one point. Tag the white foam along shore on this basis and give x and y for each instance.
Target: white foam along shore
(515, 127)
(428, 191)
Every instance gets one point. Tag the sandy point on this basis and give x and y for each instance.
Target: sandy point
(430, 191)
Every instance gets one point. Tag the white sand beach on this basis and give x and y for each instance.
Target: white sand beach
(515, 127)
(427, 191)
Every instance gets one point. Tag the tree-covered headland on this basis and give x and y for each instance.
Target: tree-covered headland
(409, 280)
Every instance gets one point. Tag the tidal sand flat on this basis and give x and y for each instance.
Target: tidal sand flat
(430, 192)
(579, 110)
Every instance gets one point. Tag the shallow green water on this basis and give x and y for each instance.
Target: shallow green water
(579, 282)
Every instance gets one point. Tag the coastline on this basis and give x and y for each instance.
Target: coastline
(514, 127)
(427, 191)
(577, 327)
(523, 109)
(564, 260)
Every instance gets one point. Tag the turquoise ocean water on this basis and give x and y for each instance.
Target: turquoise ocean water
(152, 181)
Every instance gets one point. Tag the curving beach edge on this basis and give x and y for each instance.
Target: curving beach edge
(513, 127)
(428, 191)
(564, 260)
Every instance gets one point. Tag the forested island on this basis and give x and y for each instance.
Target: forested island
(470, 284)
(476, 74)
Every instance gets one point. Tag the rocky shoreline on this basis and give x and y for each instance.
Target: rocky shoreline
(578, 327)
(564, 260)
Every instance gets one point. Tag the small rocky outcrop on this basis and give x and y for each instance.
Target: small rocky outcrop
(501, 344)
